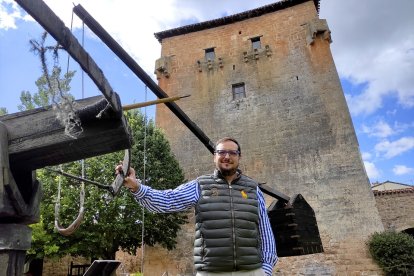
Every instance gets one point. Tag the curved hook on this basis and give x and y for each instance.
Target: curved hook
(73, 226)
(76, 223)
(119, 180)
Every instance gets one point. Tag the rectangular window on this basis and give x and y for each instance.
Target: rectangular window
(256, 42)
(238, 91)
(209, 54)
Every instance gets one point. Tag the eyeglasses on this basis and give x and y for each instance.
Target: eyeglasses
(229, 152)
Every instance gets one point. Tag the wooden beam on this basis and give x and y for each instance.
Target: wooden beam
(37, 139)
(140, 73)
(159, 101)
(55, 26)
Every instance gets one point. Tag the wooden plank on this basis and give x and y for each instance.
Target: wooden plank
(37, 139)
(55, 26)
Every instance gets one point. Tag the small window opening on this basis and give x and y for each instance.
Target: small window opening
(209, 54)
(234, 67)
(256, 44)
(239, 91)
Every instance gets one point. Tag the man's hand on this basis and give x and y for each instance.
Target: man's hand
(130, 181)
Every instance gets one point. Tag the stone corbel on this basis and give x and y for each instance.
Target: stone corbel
(220, 62)
(256, 54)
(200, 69)
(268, 51)
(162, 67)
(317, 27)
(209, 64)
(245, 57)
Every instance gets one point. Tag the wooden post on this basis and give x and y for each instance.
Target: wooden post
(15, 239)
(15, 213)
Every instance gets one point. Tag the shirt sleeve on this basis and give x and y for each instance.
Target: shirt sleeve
(168, 201)
(268, 246)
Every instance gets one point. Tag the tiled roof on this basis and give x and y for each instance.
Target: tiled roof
(232, 18)
(390, 192)
(388, 182)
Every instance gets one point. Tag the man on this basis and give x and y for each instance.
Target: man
(233, 234)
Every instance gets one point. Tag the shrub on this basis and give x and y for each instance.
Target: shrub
(394, 252)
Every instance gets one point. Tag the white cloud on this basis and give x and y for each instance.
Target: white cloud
(369, 49)
(9, 13)
(380, 129)
(372, 171)
(401, 170)
(366, 155)
(392, 149)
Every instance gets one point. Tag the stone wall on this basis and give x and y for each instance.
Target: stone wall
(59, 267)
(396, 208)
(294, 125)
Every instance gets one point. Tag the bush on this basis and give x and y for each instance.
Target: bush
(394, 252)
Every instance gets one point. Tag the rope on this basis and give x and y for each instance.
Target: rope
(76, 223)
(144, 177)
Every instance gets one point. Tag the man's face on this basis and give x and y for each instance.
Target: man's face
(227, 163)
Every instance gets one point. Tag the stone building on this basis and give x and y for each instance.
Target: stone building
(267, 77)
(395, 203)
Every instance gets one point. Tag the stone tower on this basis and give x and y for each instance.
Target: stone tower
(267, 78)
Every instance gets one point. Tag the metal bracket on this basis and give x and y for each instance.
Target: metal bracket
(119, 180)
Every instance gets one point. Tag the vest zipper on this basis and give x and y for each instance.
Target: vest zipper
(232, 228)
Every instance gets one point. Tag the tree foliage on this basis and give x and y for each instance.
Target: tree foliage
(3, 111)
(45, 96)
(393, 251)
(114, 223)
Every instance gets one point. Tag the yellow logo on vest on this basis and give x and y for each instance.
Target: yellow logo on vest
(244, 195)
(214, 192)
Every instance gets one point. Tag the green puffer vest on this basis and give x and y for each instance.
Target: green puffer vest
(227, 235)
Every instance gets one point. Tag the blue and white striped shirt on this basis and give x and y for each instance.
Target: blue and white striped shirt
(186, 196)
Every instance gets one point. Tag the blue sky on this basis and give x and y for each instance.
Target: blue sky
(373, 49)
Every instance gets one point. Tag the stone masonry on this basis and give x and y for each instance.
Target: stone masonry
(293, 124)
(396, 208)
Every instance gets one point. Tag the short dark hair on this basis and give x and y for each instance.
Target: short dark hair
(225, 139)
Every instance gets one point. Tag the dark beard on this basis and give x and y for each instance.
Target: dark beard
(227, 172)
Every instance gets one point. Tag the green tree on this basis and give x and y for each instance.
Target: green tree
(3, 111)
(393, 251)
(53, 89)
(110, 223)
(48, 96)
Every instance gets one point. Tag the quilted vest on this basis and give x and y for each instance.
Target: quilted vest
(227, 236)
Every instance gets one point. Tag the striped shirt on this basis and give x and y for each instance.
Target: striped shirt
(186, 196)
